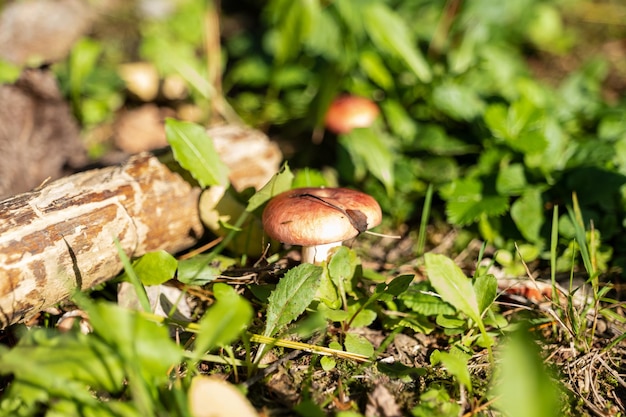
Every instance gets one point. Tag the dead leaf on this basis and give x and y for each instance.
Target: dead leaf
(213, 397)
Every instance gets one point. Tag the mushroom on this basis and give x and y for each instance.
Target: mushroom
(348, 112)
(319, 219)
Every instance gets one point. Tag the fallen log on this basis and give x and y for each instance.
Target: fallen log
(60, 238)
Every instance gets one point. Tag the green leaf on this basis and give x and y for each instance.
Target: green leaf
(458, 101)
(328, 363)
(398, 285)
(194, 151)
(452, 284)
(197, 270)
(527, 213)
(224, 321)
(389, 32)
(341, 267)
(467, 204)
(436, 403)
(134, 338)
(375, 69)
(9, 72)
(155, 268)
(280, 182)
(308, 177)
(521, 375)
(456, 365)
(485, 287)
(294, 22)
(292, 296)
(364, 318)
(368, 146)
(63, 364)
(466, 211)
(511, 180)
(420, 299)
(399, 120)
(358, 344)
(521, 126)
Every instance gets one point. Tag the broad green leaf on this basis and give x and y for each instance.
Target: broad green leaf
(399, 120)
(62, 365)
(452, 284)
(417, 323)
(436, 403)
(458, 101)
(155, 268)
(529, 142)
(294, 21)
(281, 181)
(292, 296)
(332, 313)
(368, 146)
(83, 58)
(454, 322)
(437, 169)
(9, 72)
(456, 365)
(194, 151)
(341, 267)
(327, 291)
(420, 299)
(521, 375)
(521, 125)
(358, 344)
(364, 318)
(434, 139)
(198, 270)
(496, 118)
(224, 321)
(328, 363)
(466, 211)
(398, 285)
(527, 213)
(389, 32)
(134, 339)
(376, 70)
(462, 189)
(308, 177)
(511, 180)
(485, 287)
(324, 42)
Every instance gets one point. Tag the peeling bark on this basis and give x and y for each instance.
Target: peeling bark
(60, 238)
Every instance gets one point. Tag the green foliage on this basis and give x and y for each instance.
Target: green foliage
(465, 124)
(65, 370)
(292, 295)
(279, 183)
(521, 375)
(455, 363)
(512, 144)
(470, 298)
(224, 321)
(155, 268)
(436, 402)
(194, 151)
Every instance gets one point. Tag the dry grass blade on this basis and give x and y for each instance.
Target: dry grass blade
(320, 350)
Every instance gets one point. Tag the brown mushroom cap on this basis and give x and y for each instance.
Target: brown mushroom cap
(349, 112)
(316, 216)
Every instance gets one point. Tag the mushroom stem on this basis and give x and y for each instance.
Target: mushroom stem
(318, 253)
